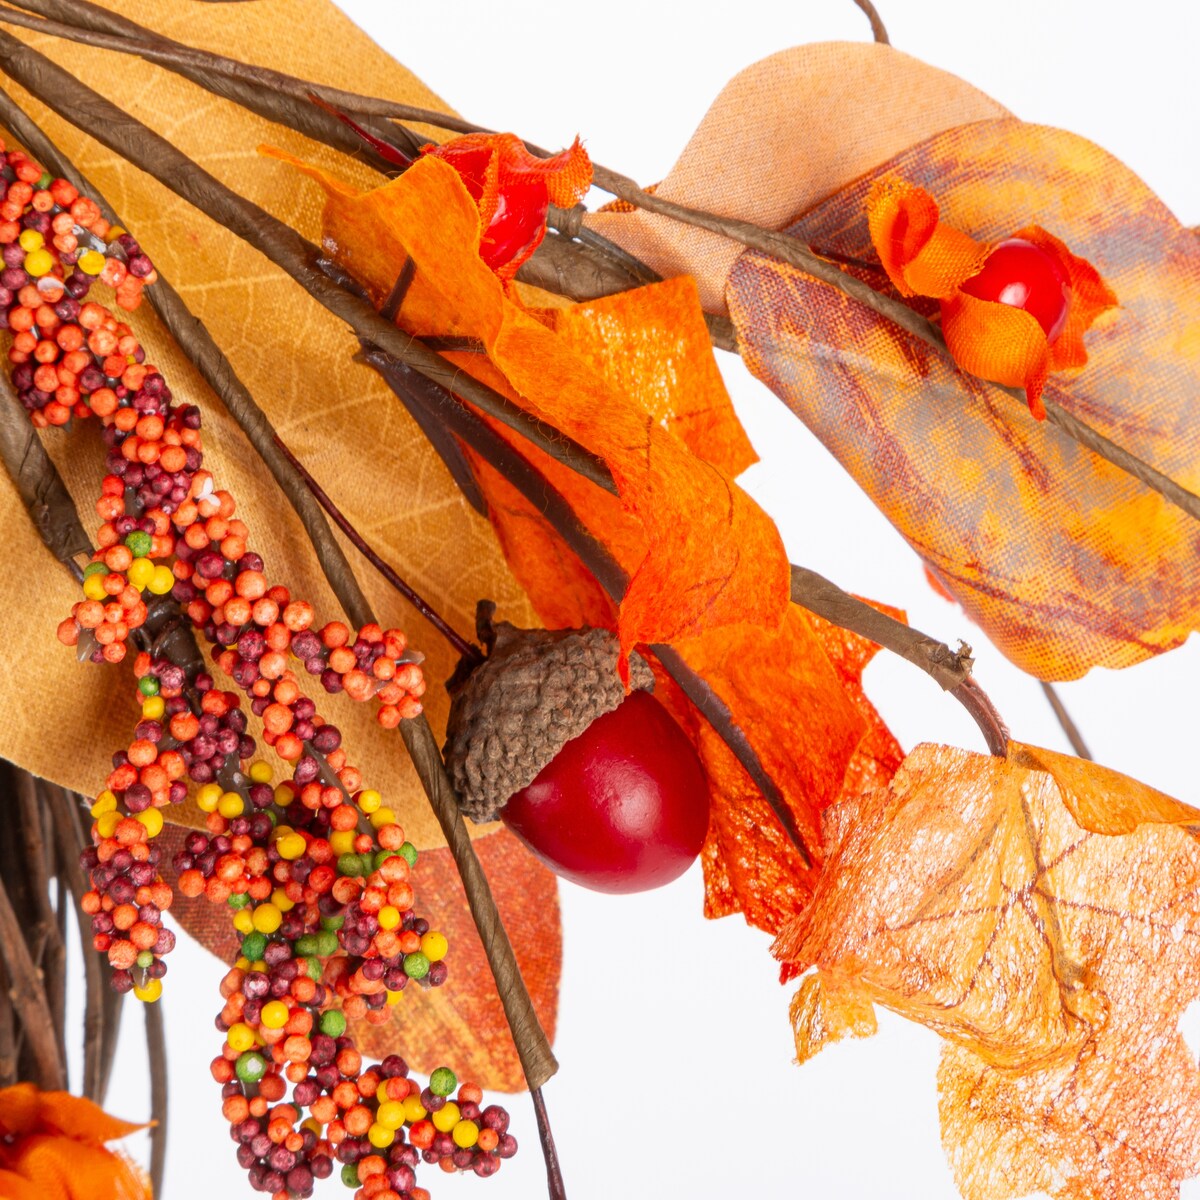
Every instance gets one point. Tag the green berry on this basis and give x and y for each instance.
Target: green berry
(314, 967)
(333, 923)
(250, 1067)
(416, 965)
(442, 1082)
(381, 856)
(238, 900)
(306, 944)
(254, 945)
(148, 685)
(145, 959)
(333, 1023)
(95, 568)
(350, 1175)
(409, 853)
(350, 864)
(139, 543)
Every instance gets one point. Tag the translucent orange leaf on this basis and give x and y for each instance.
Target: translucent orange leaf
(1066, 562)
(461, 1025)
(712, 557)
(1055, 961)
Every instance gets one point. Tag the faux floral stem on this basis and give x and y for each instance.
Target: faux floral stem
(156, 1055)
(1064, 719)
(464, 648)
(878, 32)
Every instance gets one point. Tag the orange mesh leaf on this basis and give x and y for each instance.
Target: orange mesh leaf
(461, 1025)
(999, 343)
(922, 257)
(1064, 561)
(820, 1014)
(1055, 961)
(713, 558)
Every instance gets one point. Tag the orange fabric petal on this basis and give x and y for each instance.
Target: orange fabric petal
(999, 343)
(922, 256)
(26, 1109)
(713, 557)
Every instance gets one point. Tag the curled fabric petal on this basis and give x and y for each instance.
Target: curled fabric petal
(922, 256)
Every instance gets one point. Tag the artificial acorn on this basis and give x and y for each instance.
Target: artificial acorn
(603, 787)
(1024, 275)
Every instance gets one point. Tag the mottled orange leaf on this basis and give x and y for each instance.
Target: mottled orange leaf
(1056, 962)
(52, 1147)
(462, 1024)
(1066, 562)
(712, 557)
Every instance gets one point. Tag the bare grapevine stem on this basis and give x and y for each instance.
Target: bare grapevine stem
(1064, 719)
(878, 32)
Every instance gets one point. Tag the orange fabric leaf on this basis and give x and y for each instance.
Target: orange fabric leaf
(713, 558)
(1066, 562)
(463, 1024)
(1055, 961)
(922, 256)
(52, 1148)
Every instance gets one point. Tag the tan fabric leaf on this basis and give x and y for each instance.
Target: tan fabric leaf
(767, 149)
(296, 359)
(1056, 962)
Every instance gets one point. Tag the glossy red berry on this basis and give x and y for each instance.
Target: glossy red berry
(623, 807)
(1023, 275)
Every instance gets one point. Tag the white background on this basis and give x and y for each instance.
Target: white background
(674, 1040)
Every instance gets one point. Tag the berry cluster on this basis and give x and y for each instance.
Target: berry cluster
(314, 870)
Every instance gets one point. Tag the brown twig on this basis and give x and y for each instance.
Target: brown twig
(554, 1178)
(156, 1055)
(8, 1033)
(460, 643)
(1064, 719)
(878, 32)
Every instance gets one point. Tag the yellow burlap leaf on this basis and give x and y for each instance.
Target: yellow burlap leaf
(63, 720)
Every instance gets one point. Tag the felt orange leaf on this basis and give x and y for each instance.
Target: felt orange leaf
(52, 1147)
(992, 339)
(463, 1024)
(1064, 561)
(1054, 960)
(712, 557)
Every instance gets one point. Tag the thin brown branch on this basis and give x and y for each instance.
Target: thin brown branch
(1064, 719)
(878, 32)
(554, 1180)
(29, 1000)
(460, 643)
(156, 1055)
(8, 1033)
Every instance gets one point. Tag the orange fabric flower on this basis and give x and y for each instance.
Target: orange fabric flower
(996, 341)
(52, 1147)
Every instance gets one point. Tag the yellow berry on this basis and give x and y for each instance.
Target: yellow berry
(342, 840)
(243, 922)
(274, 1014)
(370, 800)
(39, 262)
(243, 963)
(153, 708)
(140, 572)
(390, 1114)
(152, 818)
(208, 797)
(151, 992)
(282, 901)
(291, 846)
(91, 262)
(240, 1037)
(388, 917)
(380, 1137)
(105, 802)
(267, 918)
(107, 823)
(260, 772)
(381, 817)
(93, 587)
(414, 1110)
(434, 946)
(162, 581)
(394, 998)
(446, 1117)
(231, 805)
(465, 1134)
(30, 239)
(284, 795)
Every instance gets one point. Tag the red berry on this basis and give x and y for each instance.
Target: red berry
(1023, 275)
(621, 808)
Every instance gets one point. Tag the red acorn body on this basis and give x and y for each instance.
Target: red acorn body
(1022, 275)
(604, 788)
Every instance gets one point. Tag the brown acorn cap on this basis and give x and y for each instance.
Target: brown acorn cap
(537, 689)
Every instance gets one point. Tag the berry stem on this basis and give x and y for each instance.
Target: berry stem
(1064, 719)
(156, 1053)
(460, 643)
(878, 31)
(554, 1180)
